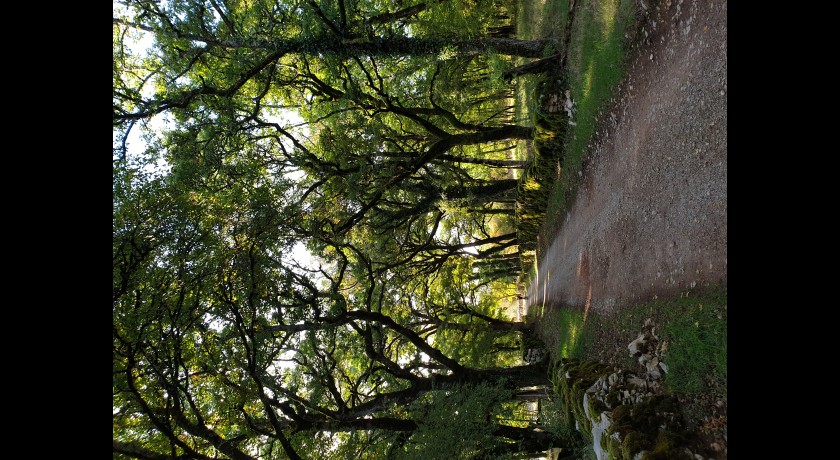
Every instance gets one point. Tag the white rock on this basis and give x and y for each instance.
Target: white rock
(638, 345)
(637, 382)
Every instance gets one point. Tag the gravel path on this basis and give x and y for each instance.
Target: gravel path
(650, 216)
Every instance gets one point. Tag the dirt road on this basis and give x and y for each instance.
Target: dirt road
(650, 216)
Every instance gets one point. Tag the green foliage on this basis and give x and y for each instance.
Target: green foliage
(464, 18)
(554, 417)
(267, 128)
(458, 423)
(565, 333)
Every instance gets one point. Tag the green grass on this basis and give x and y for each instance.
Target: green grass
(542, 18)
(564, 332)
(694, 325)
(697, 351)
(596, 65)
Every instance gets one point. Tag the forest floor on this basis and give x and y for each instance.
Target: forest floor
(650, 217)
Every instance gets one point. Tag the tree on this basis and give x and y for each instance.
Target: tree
(249, 41)
(223, 344)
(203, 321)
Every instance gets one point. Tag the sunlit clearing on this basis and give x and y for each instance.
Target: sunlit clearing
(472, 250)
(214, 323)
(283, 362)
(294, 174)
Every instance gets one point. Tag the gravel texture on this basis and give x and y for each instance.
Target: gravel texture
(650, 215)
(649, 218)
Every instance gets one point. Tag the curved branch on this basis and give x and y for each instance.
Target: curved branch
(136, 451)
(320, 13)
(185, 98)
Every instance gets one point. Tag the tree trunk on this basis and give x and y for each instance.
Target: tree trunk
(381, 423)
(414, 46)
(518, 164)
(404, 13)
(529, 375)
(529, 440)
(491, 135)
(496, 326)
(503, 211)
(492, 240)
(482, 193)
(538, 66)
(507, 31)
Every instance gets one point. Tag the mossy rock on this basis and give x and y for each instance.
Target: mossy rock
(633, 443)
(639, 427)
(581, 376)
(596, 406)
(531, 340)
(610, 445)
(669, 446)
(613, 397)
